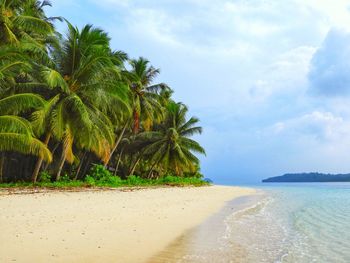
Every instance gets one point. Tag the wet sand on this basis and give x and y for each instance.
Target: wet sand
(210, 241)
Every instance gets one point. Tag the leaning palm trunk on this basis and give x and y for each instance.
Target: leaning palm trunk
(152, 168)
(46, 165)
(116, 143)
(79, 167)
(60, 167)
(132, 170)
(118, 162)
(40, 161)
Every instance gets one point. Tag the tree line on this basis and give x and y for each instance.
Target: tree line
(69, 101)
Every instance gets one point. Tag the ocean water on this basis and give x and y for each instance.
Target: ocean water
(295, 223)
(284, 223)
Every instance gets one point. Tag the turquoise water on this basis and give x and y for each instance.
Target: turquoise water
(287, 223)
(294, 223)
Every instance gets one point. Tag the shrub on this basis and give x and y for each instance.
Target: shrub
(110, 180)
(45, 177)
(134, 180)
(90, 180)
(169, 179)
(65, 178)
(98, 171)
(182, 181)
(100, 176)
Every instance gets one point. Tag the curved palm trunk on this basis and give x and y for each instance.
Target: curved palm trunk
(40, 161)
(117, 143)
(150, 172)
(60, 167)
(132, 170)
(153, 165)
(52, 152)
(119, 159)
(79, 167)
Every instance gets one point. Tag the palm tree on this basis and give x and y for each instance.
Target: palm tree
(170, 145)
(24, 20)
(88, 82)
(145, 96)
(16, 133)
(42, 120)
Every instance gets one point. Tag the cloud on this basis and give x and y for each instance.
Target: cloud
(285, 76)
(323, 126)
(207, 27)
(330, 66)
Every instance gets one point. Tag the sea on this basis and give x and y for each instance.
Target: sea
(294, 222)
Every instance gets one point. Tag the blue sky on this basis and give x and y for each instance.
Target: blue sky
(270, 80)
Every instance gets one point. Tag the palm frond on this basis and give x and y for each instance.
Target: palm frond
(15, 124)
(21, 143)
(18, 103)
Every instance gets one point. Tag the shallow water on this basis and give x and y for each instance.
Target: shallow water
(288, 223)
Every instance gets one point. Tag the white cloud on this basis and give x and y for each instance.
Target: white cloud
(285, 76)
(323, 126)
(334, 13)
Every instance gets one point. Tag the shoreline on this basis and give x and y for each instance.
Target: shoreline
(96, 226)
(207, 242)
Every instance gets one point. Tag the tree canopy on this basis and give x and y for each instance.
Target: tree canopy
(69, 101)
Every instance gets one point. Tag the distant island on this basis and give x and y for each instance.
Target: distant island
(308, 177)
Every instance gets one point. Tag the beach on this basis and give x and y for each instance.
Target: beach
(104, 226)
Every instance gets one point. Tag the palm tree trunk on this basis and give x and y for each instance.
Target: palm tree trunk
(86, 167)
(119, 159)
(150, 172)
(79, 167)
(154, 164)
(136, 122)
(60, 167)
(132, 170)
(40, 161)
(117, 143)
(52, 152)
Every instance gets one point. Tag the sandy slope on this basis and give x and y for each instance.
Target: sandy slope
(105, 226)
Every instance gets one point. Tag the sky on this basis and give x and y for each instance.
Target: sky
(269, 79)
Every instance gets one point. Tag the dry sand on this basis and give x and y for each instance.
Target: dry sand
(104, 226)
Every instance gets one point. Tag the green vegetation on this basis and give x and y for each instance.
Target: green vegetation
(308, 178)
(74, 112)
(100, 177)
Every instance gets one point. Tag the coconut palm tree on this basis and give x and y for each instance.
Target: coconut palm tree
(24, 20)
(16, 133)
(88, 81)
(145, 101)
(169, 143)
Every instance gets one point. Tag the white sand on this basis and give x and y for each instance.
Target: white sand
(105, 226)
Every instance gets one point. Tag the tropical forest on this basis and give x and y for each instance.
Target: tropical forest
(75, 111)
